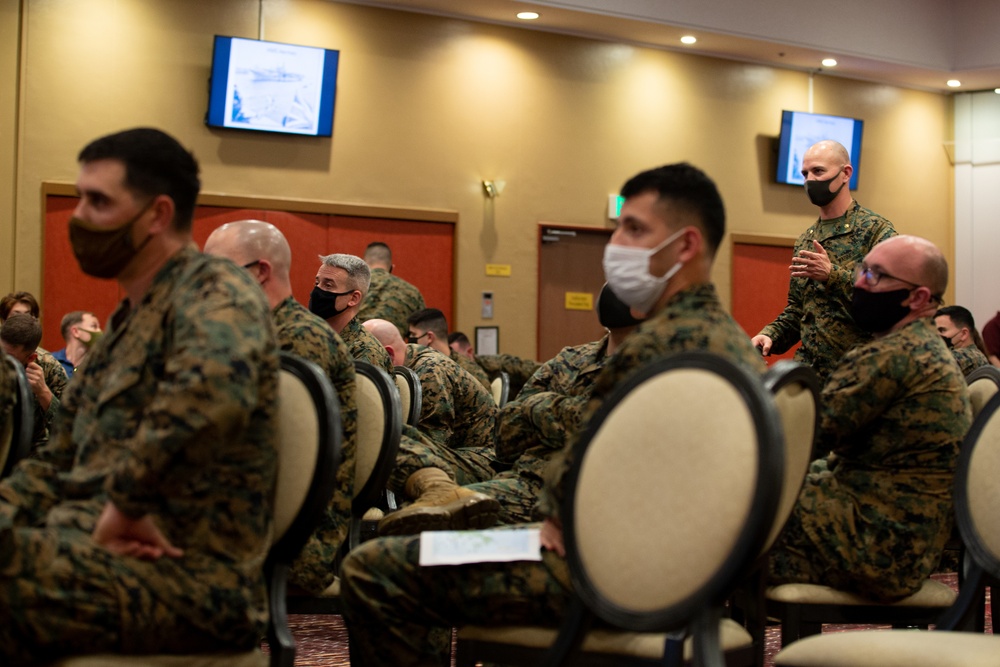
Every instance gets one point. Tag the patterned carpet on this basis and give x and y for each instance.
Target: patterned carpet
(322, 640)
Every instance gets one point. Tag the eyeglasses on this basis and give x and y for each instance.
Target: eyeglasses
(873, 275)
(413, 338)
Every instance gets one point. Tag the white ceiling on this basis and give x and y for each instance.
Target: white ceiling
(911, 43)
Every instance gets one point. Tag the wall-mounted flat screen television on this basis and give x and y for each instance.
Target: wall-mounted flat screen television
(272, 87)
(800, 130)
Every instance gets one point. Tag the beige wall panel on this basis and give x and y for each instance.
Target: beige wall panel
(428, 107)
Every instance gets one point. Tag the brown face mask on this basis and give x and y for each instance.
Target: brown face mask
(103, 253)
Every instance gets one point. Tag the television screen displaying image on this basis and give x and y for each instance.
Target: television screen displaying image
(800, 130)
(272, 87)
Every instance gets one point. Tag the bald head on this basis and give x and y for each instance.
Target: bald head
(247, 241)
(917, 260)
(388, 334)
(829, 151)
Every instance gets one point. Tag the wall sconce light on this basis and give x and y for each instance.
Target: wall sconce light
(493, 188)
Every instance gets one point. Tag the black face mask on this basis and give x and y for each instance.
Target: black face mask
(324, 304)
(877, 312)
(949, 342)
(612, 311)
(819, 191)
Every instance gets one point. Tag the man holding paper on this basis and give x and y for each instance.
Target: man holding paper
(658, 261)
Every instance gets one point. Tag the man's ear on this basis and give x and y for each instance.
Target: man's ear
(32, 357)
(354, 299)
(263, 271)
(163, 207)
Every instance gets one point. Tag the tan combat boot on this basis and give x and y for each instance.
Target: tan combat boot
(439, 504)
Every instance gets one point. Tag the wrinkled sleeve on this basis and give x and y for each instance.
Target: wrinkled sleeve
(856, 394)
(205, 393)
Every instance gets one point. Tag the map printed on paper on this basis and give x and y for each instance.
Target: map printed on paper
(460, 547)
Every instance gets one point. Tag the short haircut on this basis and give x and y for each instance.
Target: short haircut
(69, 320)
(690, 190)
(378, 252)
(460, 338)
(21, 330)
(8, 302)
(155, 164)
(359, 276)
(961, 317)
(430, 319)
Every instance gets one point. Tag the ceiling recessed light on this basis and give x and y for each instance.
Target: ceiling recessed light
(997, 91)
(954, 83)
(688, 39)
(829, 62)
(528, 16)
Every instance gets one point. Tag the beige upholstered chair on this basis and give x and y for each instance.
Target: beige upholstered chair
(308, 449)
(16, 428)
(796, 395)
(410, 394)
(983, 385)
(977, 506)
(669, 502)
(376, 443)
(501, 388)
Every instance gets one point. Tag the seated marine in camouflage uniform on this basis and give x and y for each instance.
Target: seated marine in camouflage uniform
(819, 294)
(19, 337)
(262, 249)
(143, 525)
(451, 446)
(893, 414)
(430, 327)
(341, 277)
(389, 297)
(532, 428)
(401, 614)
(52, 377)
(958, 329)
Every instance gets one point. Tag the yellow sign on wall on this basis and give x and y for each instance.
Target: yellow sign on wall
(579, 301)
(498, 270)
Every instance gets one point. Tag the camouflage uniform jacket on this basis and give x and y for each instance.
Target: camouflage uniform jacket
(55, 374)
(693, 319)
(365, 347)
(894, 414)
(456, 410)
(472, 368)
(818, 313)
(172, 416)
(548, 409)
(519, 370)
(390, 298)
(969, 358)
(308, 336)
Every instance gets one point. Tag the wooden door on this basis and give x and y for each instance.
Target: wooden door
(570, 272)
(760, 285)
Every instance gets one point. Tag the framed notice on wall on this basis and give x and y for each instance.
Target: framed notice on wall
(487, 340)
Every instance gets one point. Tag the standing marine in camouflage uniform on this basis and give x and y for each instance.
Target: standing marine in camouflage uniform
(548, 411)
(894, 414)
(957, 328)
(401, 614)
(451, 446)
(346, 277)
(822, 270)
(19, 337)
(429, 327)
(389, 296)
(262, 249)
(144, 524)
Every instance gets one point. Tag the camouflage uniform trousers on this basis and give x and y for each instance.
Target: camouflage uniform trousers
(401, 614)
(43, 570)
(465, 465)
(518, 489)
